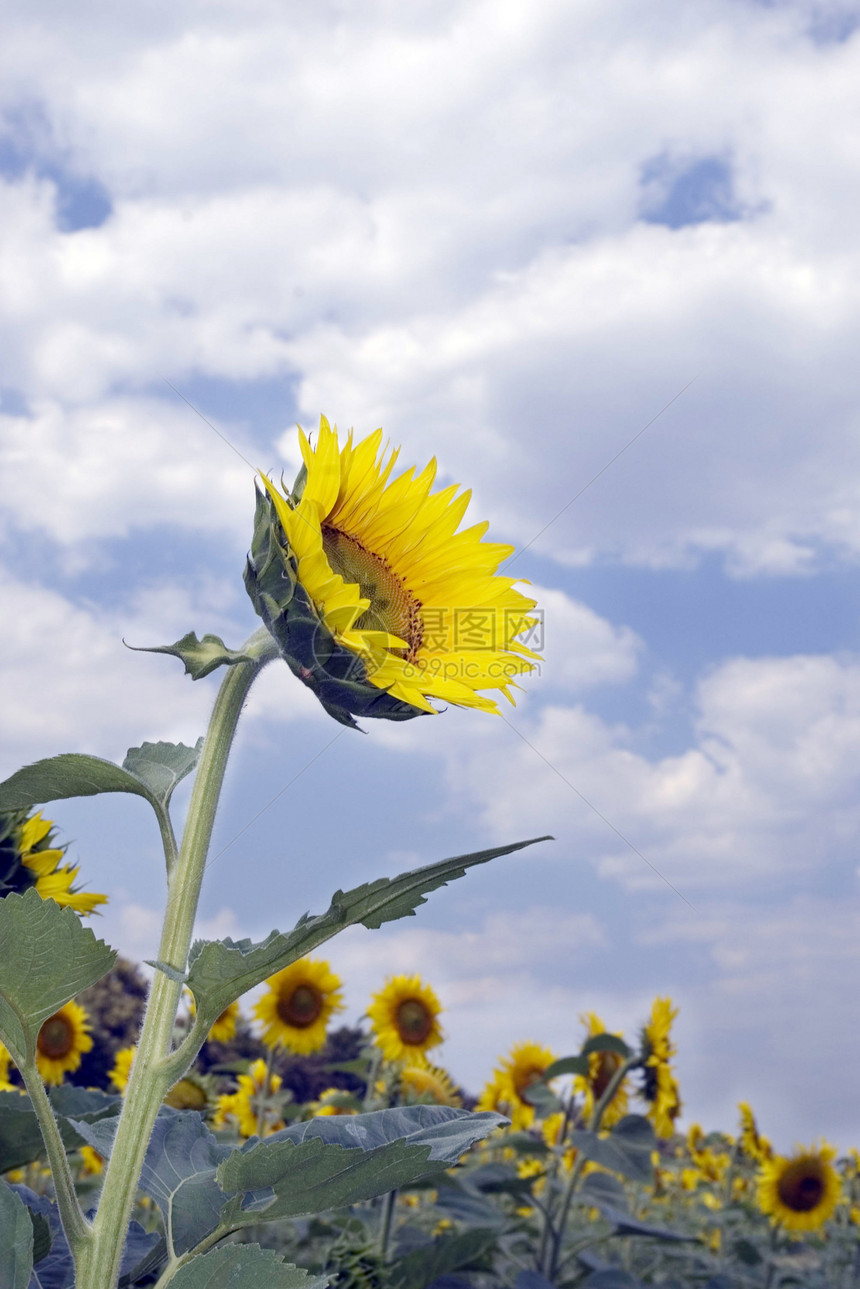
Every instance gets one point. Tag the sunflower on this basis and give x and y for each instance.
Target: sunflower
(119, 1073)
(242, 1107)
(62, 1041)
(335, 1101)
(405, 1019)
(225, 1026)
(299, 1005)
(428, 1083)
(29, 858)
(602, 1068)
(752, 1142)
(385, 604)
(525, 1065)
(659, 1086)
(93, 1163)
(5, 1059)
(802, 1192)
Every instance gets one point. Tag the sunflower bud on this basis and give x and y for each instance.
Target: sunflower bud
(337, 675)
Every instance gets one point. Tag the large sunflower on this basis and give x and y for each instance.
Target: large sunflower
(802, 1192)
(298, 1006)
(62, 1041)
(405, 1019)
(382, 604)
(602, 1068)
(28, 857)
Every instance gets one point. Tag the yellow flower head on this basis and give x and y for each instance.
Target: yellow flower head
(523, 1066)
(225, 1026)
(243, 1106)
(602, 1068)
(118, 1075)
(334, 1101)
(298, 1006)
(28, 858)
(376, 601)
(5, 1058)
(659, 1087)
(62, 1041)
(752, 1142)
(405, 1019)
(429, 1083)
(92, 1161)
(800, 1193)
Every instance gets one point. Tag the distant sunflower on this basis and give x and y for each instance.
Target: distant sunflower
(225, 1026)
(753, 1144)
(404, 1015)
(659, 1086)
(428, 1083)
(335, 1101)
(397, 606)
(242, 1107)
(524, 1065)
(28, 857)
(802, 1192)
(602, 1068)
(62, 1041)
(298, 1006)
(121, 1069)
(5, 1059)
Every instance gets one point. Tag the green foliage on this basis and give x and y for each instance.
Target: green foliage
(446, 1254)
(626, 1150)
(71, 774)
(161, 766)
(221, 970)
(46, 957)
(244, 1266)
(200, 657)
(16, 1241)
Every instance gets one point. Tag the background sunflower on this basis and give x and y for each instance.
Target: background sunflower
(298, 1005)
(404, 1015)
(62, 1041)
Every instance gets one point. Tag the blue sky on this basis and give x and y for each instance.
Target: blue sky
(512, 235)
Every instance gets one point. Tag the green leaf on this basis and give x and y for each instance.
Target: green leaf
(46, 957)
(566, 1065)
(243, 1266)
(199, 657)
(446, 1254)
(161, 766)
(71, 774)
(20, 1137)
(606, 1043)
(326, 1163)
(626, 1225)
(16, 1241)
(612, 1278)
(222, 970)
(627, 1150)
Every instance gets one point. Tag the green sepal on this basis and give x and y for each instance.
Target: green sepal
(46, 957)
(199, 657)
(222, 970)
(334, 673)
(244, 1266)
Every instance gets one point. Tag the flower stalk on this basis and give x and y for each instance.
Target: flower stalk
(153, 1072)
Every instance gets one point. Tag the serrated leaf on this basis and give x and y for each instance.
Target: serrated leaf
(627, 1150)
(161, 766)
(16, 1240)
(331, 1162)
(71, 774)
(46, 957)
(446, 1254)
(243, 1266)
(172, 973)
(606, 1043)
(221, 970)
(199, 657)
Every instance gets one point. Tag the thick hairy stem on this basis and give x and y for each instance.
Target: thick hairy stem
(99, 1260)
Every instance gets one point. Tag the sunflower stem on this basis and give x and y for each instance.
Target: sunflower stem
(385, 1223)
(98, 1262)
(77, 1228)
(551, 1270)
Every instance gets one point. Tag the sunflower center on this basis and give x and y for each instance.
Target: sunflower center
(526, 1076)
(56, 1038)
(393, 608)
(414, 1021)
(300, 1008)
(801, 1186)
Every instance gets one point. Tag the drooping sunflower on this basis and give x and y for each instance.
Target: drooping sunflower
(404, 1015)
(602, 1068)
(753, 1144)
(800, 1193)
(29, 857)
(659, 1085)
(298, 1006)
(62, 1041)
(525, 1064)
(375, 599)
(428, 1083)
